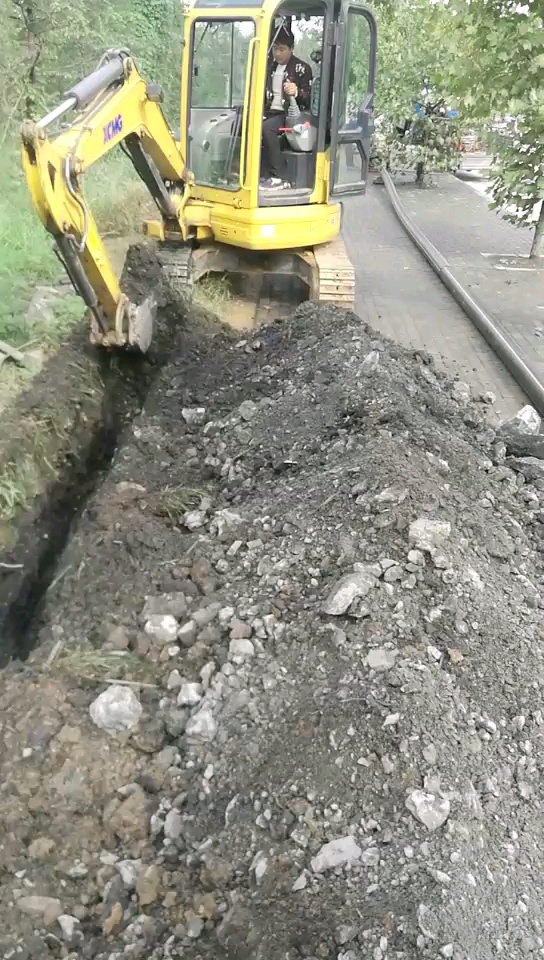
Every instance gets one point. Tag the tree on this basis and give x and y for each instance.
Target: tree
(410, 60)
(496, 66)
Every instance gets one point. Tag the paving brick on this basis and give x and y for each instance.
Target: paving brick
(403, 299)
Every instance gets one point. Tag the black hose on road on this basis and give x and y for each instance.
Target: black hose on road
(487, 326)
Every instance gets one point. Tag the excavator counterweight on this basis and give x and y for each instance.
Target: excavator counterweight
(215, 213)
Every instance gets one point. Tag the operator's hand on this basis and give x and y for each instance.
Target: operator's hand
(291, 89)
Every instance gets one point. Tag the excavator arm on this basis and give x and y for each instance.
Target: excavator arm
(114, 106)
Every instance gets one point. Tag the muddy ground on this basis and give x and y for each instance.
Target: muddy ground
(317, 576)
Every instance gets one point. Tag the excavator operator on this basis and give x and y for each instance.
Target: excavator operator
(287, 77)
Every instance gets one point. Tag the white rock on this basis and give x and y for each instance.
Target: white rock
(173, 825)
(174, 681)
(194, 519)
(301, 883)
(430, 754)
(187, 633)
(337, 853)
(430, 810)
(353, 585)
(391, 720)
(461, 392)
(371, 361)
(225, 520)
(130, 871)
(116, 710)
(429, 534)
(190, 694)
(525, 423)
(162, 629)
(259, 867)
(68, 925)
(416, 557)
(202, 726)
(247, 410)
(381, 659)
(240, 650)
(195, 927)
(193, 414)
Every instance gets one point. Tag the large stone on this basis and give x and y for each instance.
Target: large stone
(162, 628)
(173, 825)
(531, 467)
(526, 423)
(202, 726)
(47, 908)
(381, 659)
(432, 811)
(240, 650)
(349, 588)
(427, 534)
(337, 853)
(116, 710)
(190, 694)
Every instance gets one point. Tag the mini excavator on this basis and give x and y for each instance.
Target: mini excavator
(214, 214)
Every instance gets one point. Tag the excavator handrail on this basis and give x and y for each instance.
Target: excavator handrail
(253, 43)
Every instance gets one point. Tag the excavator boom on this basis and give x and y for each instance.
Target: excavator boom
(114, 106)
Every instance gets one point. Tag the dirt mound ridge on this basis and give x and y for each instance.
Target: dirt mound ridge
(312, 556)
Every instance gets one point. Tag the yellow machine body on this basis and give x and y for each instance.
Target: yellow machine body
(206, 179)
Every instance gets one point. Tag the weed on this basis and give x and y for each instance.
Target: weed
(15, 488)
(98, 663)
(212, 291)
(175, 502)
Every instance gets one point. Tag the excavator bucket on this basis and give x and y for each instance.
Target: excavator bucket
(142, 324)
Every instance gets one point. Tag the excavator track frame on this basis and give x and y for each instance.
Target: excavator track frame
(326, 270)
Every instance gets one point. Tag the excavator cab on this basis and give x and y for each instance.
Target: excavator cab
(215, 212)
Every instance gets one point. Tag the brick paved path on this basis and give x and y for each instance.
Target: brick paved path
(457, 220)
(399, 295)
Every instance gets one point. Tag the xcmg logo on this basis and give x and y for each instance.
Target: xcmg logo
(113, 128)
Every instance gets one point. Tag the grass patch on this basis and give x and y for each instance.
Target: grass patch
(16, 483)
(26, 257)
(99, 664)
(176, 501)
(213, 291)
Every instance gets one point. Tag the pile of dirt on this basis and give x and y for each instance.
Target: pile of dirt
(317, 578)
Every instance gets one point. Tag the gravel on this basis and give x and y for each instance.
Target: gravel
(336, 649)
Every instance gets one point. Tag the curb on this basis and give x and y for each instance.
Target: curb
(469, 176)
(486, 324)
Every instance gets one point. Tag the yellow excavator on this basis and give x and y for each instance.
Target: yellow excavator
(215, 213)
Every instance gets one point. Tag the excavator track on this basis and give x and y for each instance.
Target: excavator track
(176, 262)
(335, 274)
(326, 269)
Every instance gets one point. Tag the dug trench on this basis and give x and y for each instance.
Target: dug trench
(58, 439)
(285, 700)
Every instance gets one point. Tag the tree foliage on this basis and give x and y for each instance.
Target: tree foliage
(47, 45)
(410, 62)
(495, 65)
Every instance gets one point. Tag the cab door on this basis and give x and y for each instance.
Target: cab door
(352, 109)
